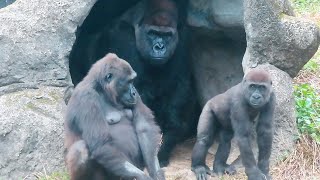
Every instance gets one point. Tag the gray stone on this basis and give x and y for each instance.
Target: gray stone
(36, 39)
(283, 41)
(31, 133)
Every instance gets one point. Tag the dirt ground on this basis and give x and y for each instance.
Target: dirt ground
(180, 163)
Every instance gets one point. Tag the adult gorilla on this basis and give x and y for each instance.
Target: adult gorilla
(151, 37)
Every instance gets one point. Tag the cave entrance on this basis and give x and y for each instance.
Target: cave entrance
(216, 54)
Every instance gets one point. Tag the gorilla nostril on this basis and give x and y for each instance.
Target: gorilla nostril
(158, 47)
(257, 97)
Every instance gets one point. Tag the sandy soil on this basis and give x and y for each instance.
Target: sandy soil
(180, 163)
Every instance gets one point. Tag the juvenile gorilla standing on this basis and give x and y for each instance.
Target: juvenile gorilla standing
(233, 113)
(150, 37)
(110, 133)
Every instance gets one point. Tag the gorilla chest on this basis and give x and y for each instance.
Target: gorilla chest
(124, 137)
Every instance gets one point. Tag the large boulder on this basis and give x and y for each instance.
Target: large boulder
(36, 38)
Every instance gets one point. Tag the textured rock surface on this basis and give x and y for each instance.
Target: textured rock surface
(36, 38)
(286, 43)
(31, 133)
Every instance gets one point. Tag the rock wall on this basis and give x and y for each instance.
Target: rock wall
(36, 38)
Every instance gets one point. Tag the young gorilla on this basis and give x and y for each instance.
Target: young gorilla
(110, 133)
(233, 113)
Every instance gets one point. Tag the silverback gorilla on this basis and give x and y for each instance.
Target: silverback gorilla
(110, 133)
(233, 113)
(150, 37)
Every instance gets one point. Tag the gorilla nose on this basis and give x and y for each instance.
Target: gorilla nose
(158, 47)
(256, 96)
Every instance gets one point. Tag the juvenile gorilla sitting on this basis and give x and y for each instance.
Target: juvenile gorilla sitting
(233, 113)
(110, 133)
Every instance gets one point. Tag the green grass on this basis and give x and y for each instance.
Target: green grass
(310, 6)
(54, 176)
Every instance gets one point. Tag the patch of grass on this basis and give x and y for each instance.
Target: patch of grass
(306, 5)
(302, 163)
(308, 110)
(54, 176)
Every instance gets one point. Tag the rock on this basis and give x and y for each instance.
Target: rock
(287, 43)
(31, 132)
(36, 39)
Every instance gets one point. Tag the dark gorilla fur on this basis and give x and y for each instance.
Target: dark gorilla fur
(110, 133)
(151, 38)
(233, 113)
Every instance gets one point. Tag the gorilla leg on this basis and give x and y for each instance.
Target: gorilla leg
(77, 161)
(169, 141)
(220, 166)
(205, 136)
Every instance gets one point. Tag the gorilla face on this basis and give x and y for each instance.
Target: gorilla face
(157, 36)
(117, 82)
(257, 94)
(156, 44)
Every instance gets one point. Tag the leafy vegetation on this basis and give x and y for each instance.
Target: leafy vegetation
(308, 110)
(306, 5)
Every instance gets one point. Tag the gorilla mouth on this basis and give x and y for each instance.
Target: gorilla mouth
(255, 105)
(131, 102)
(156, 60)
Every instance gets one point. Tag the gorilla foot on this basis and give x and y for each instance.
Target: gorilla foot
(226, 169)
(201, 172)
(164, 163)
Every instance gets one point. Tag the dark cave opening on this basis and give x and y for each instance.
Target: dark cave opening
(227, 45)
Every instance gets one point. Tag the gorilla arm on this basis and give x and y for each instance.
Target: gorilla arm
(149, 139)
(265, 135)
(90, 121)
(242, 130)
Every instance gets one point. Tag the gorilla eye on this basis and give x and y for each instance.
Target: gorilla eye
(108, 77)
(251, 86)
(262, 88)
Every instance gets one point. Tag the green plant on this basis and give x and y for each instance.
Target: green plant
(312, 66)
(306, 5)
(308, 110)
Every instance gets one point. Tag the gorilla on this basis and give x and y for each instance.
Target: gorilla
(234, 113)
(151, 38)
(109, 132)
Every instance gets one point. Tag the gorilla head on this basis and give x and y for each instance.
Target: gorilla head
(257, 88)
(114, 77)
(157, 35)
